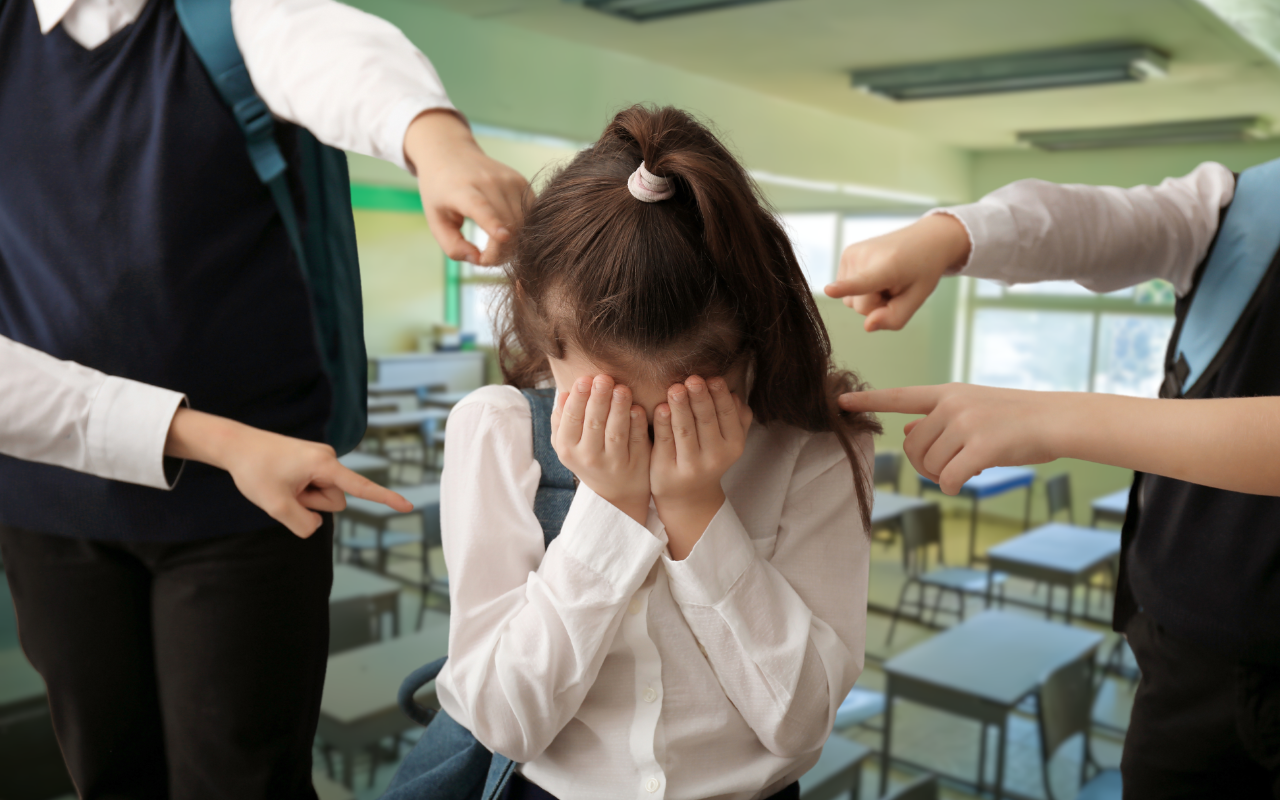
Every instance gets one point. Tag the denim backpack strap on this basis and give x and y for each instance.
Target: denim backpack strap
(557, 485)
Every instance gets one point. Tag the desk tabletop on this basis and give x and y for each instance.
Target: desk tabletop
(997, 656)
(19, 681)
(356, 461)
(1058, 546)
(421, 496)
(349, 581)
(993, 481)
(363, 682)
(1116, 502)
(888, 505)
(400, 419)
(442, 399)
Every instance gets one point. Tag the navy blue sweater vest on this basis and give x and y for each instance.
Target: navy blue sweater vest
(1205, 563)
(136, 239)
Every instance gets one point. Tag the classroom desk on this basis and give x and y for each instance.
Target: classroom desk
(1057, 554)
(441, 399)
(838, 771)
(1111, 508)
(383, 593)
(420, 422)
(359, 703)
(375, 468)
(981, 669)
(990, 482)
(887, 508)
(425, 499)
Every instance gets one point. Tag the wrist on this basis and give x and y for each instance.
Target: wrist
(431, 129)
(206, 438)
(951, 239)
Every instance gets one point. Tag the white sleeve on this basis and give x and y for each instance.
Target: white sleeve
(352, 79)
(1103, 237)
(785, 633)
(62, 413)
(529, 627)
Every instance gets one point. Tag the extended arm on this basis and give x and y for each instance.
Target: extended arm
(1103, 237)
(358, 83)
(1226, 443)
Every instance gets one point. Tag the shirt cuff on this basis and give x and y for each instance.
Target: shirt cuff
(401, 116)
(715, 564)
(990, 229)
(608, 542)
(127, 430)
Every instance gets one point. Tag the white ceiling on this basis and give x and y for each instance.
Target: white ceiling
(804, 50)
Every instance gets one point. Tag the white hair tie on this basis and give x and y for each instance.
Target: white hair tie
(649, 188)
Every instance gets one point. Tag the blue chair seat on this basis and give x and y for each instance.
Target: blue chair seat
(860, 706)
(1104, 786)
(961, 579)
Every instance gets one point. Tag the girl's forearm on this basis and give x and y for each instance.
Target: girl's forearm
(1231, 444)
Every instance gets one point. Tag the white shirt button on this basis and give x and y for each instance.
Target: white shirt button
(637, 603)
(649, 696)
(652, 785)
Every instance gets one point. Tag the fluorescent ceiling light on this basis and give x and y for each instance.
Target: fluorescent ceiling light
(1019, 72)
(854, 189)
(1230, 129)
(645, 10)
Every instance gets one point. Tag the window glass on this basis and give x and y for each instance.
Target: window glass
(477, 310)
(1131, 351)
(861, 228)
(813, 237)
(1043, 350)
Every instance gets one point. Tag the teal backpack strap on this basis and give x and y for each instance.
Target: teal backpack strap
(1242, 253)
(326, 249)
(207, 24)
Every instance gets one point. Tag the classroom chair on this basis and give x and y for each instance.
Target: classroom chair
(923, 788)
(888, 470)
(922, 529)
(429, 584)
(1065, 708)
(353, 622)
(1058, 489)
(838, 771)
(377, 517)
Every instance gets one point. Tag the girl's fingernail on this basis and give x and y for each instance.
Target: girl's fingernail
(717, 386)
(619, 395)
(600, 384)
(635, 414)
(582, 385)
(696, 387)
(677, 397)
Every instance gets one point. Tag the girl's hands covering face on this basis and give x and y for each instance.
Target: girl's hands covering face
(603, 438)
(697, 435)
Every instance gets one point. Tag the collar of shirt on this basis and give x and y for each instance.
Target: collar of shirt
(88, 22)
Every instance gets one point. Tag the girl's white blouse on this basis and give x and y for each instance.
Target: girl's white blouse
(609, 670)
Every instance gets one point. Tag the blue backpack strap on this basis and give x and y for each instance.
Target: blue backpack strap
(1242, 253)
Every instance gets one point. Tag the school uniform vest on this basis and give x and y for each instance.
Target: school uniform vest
(135, 238)
(1205, 563)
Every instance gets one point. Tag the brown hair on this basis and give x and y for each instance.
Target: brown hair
(696, 284)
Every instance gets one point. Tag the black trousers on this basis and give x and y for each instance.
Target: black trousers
(185, 671)
(1202, 726)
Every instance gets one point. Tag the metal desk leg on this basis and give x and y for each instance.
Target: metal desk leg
(888, 737)
(1001, 743)
(982, 756)
(348, 759)
(1026, 518)
(395, 617)
(990, 585)
(382, 551)
(973, 531)
(1071, 601)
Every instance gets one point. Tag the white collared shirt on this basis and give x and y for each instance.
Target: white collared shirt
(609, 670)
(352, 79)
